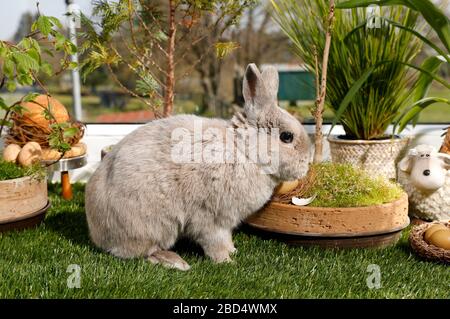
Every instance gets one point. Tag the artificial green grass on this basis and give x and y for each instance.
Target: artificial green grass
(343, 185)
(10, 170)
(34, 263)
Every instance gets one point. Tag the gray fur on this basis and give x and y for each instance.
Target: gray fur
(139, 201)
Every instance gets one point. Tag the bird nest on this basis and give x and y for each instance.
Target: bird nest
(304, 185)
(24, 130)
(425, 250)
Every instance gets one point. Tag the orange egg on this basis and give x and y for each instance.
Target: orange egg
(441, 239)
(431, 230)
(33, 112)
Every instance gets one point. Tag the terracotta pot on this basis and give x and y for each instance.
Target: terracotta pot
(333, 223)
(21, 198)
(377, 157)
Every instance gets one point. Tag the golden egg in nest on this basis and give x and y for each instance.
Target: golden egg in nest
(33, 112)
(441, 239)
(431, 230)
(286, 187)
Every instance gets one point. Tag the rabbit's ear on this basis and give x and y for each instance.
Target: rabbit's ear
(271, 81)
(255, 93)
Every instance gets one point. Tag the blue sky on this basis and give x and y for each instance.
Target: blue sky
(11, 10)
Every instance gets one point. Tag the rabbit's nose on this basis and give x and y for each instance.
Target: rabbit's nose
(426, 172)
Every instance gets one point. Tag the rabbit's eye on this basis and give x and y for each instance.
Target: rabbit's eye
(286, 137)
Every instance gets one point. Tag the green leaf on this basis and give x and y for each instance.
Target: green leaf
(54, 21)
(49, 52)
(8, 68)
(11, 85)
(34, 54)
(47, 68)
(43, 24)
(60, 40)
(70, 132)
(3, 52)
(18, 109)
(35, 45)
(6, 123)
(224, 48)
(24, 62)
(415, 109)
(30, 97)
(70, 48)
(431, 13)
(73, 65)
(3, 105)
(25, 79)
(423, 83)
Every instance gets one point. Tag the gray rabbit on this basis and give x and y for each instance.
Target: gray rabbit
(142, 198)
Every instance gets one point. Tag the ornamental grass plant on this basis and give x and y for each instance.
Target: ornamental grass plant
(362, 38)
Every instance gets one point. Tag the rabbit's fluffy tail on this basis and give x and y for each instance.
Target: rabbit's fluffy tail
(168, 259)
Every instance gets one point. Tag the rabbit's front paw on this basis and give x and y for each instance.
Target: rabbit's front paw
(222, 256)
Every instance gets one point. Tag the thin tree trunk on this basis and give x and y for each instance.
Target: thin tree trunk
(170, 79)
(320, 101)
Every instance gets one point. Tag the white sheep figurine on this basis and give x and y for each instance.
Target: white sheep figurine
(425, 176)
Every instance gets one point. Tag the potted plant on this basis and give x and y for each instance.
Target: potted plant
(369, 79)
(23, 183)
(346, 206)
(350, 209)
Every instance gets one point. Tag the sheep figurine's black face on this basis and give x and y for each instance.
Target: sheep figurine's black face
(427, 168)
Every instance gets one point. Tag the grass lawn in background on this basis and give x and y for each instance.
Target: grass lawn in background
(34, 264)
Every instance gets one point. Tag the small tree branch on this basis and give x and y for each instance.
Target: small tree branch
(320, 101)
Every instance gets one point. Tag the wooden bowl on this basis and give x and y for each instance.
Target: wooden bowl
(371, 226)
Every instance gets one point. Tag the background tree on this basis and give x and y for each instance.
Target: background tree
(147, 37)
(225, 52)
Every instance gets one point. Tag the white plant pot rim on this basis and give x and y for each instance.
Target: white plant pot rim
(336, 139)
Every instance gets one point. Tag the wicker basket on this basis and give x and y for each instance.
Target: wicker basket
(425, 250)
(377, 157)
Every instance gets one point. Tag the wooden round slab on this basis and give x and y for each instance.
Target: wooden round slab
(371, 226)
(21, 197)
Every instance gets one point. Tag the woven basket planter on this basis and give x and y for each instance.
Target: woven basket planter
(425, 250)
(376, 157)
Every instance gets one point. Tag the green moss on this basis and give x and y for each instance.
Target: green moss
(10, 170)
(342, 185)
